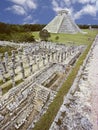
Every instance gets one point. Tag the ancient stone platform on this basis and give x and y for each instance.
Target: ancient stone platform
(79, 110)
(40, 69)
(63, 23)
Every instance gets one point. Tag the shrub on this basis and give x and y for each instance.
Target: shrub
(44, 35)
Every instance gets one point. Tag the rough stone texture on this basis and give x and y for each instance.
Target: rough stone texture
(62, 23)
(23, 105)
(79, 110)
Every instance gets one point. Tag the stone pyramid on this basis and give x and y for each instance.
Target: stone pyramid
(62, 23)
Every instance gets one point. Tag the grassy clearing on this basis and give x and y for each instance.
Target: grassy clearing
(46, 120)
(72, 38)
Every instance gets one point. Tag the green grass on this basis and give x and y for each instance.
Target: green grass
(73, 38)
(7, 88)
(46, 120)
(8, 49)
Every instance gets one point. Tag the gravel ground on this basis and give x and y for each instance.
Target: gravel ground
(93, 80)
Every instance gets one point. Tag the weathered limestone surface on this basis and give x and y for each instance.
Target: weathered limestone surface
(42, 69)
(79, 110)
(62, 23)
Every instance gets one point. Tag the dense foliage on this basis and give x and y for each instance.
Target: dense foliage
(44, 35)
(18, 33)
(87, 26)
(10, 28)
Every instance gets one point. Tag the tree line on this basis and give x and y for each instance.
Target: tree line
(23, 33)
(19, 33)
(83, 26)
(10, 28)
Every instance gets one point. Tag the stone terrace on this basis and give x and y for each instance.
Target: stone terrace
(42, 69)
(79, 110)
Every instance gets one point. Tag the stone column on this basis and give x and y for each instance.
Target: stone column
(12, 78)
(62, 57)
(34, 59)
(20, 57)
(13, 69)
(31, 68)
(19, 54)
(28, 58)
(65, 55)
(4, 66)
(13, 54)
(6, 58)
(32, 55)
(43, 60)
(53, 56)
(3, 77)
(22, 70)
(38, 64)
(49, 47)
(70, 51)
(48, 57)
(13, 65)
(58, 57)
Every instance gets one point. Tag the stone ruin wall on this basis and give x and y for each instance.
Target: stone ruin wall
(41, 67)
(79, 110)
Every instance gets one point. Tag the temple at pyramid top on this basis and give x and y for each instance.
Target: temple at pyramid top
(62, 23)
(61, 12)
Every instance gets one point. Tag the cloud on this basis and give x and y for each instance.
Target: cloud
(17, 9)
(22, 7)
(97, 5)
(67, 2)
(85, 1)
(20, 2)
(34, 21)
(89, 7)
(58, 5)
(27, 19)
(31, 22)
(31, 4)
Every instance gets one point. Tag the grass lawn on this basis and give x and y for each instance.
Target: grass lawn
(71, 38)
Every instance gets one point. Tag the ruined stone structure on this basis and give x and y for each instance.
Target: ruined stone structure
(63, 23)
(79, 110)
(41, 70)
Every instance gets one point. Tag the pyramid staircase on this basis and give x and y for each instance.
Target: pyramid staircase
(63, 23)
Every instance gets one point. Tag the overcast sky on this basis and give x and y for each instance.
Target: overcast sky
(43, 11)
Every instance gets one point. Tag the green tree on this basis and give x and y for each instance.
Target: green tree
(57, 38)
(44, 35)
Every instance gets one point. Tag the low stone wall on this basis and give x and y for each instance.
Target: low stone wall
(75, 112)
